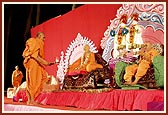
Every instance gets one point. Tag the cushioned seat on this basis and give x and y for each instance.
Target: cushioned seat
(154, 77)
(83, 79)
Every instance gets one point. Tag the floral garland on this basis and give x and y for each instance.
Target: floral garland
(122, 32)
(120, 37)
(132, 34)
(84, 62)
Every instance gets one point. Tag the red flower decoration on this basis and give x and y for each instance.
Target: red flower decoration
(135, 16)
(124, 18)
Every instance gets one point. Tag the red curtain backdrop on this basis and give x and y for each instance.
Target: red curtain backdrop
(90, 20)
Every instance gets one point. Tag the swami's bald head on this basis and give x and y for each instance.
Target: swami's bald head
(40, 35)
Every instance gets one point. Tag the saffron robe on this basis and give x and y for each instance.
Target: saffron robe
(140, 70)
(17, 76)
(88, 66)
(35, 72)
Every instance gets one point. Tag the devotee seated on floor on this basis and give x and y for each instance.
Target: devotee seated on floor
(86, 62)
(50, 85)
(21, 87)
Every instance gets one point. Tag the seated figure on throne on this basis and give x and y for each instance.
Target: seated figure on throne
(86, 62)
(147, 53)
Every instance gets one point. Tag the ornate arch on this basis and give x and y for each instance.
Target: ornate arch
(75, 49)
(73, 52)
(150, 15)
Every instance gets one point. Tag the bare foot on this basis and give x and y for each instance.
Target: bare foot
(134, 83)
(35, 103)
(128, 83)
(29, 103)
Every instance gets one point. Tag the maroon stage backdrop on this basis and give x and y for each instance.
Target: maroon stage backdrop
(90, 20)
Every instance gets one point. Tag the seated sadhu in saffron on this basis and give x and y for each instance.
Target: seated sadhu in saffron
(86, 62)
(34, 64)
(17, 76)
(140, 69)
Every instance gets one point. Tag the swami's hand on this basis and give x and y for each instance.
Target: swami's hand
(51, 63)
(141, 52)
(79, 67)
(147, 58)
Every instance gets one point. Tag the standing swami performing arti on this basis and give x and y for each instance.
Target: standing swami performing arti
(34, 63)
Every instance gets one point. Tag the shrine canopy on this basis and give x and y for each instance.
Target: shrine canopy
(89, 20)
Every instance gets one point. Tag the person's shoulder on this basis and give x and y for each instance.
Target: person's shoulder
(31, 41)
(14, 71)
(20, 71)
(153, 50)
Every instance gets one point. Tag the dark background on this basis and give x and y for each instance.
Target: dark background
(18, 20)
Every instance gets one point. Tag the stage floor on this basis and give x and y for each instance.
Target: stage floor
(9, 105)
(109, 100)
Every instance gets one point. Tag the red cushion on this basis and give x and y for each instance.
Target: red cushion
(83, 72)
(77, 72)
